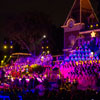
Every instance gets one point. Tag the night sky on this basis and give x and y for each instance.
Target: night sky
(57, 10)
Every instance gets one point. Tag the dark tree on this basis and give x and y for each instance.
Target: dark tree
(27, 30)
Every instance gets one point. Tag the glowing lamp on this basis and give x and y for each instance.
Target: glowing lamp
(5, 56)
(91, 26)
(91, 61)
(11, 47)
(43, 51)
(76, 63)
(2, 61)
(47, 47)
(93, 34)
(42, 47)
(99, 61)
(91, 53)
(82, 62)
(42, 57)
(48, 51)
(5, 47)
(97, 25)
(44, 36)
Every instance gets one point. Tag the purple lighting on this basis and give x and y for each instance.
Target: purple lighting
(5, 42)
(11, 42)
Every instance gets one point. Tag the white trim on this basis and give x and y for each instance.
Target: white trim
(80, 11)
(69, 13)
(76, 27)
(64, 26)
(86, 32)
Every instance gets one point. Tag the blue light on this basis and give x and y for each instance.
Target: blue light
(4, 97)
(11, 42)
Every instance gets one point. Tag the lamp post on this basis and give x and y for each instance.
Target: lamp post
(7, 50)
(37, 42)
(45, 47)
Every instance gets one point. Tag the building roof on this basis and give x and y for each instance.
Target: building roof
(82, 12)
